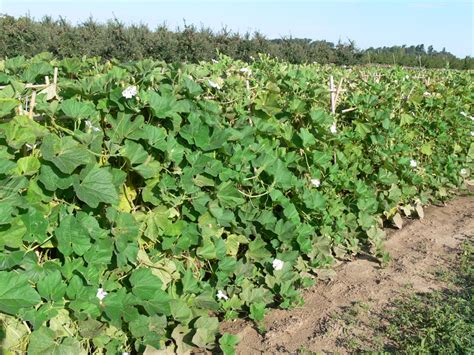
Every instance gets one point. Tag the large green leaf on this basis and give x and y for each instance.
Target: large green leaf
(66, 153)
(228, 195)
(72, 236)
(165, 105)
(95, 186)
(78, 109)
(144, 283)
(22, 130)
(44, 341)
(16, 292)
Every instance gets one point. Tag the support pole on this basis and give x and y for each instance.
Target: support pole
(333, 94)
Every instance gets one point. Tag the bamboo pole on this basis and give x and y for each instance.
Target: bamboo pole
(30, 86)
(338, 91)
(331, 89)
(32, 103)
(349, 109)
(55, 76)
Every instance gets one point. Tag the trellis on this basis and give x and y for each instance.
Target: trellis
(49, 88)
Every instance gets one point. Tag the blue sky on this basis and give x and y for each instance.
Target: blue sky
(369, 22)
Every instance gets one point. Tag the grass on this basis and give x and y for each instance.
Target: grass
(438, 322)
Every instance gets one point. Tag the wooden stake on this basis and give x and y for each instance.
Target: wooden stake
(338, 91)
(29, 86)
(331, 89)
(349, 109)
(32, 103)
(55, 76)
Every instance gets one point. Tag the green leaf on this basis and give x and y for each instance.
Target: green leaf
(96, 186)
(65, 153)
(257, 311)
(257, 250)
(7, 106)
(36, 225)
(28, 165)
(228, 195)
(12, 186)
(406, 119)
(426, 149)
(134, 152)
(307, 138)
(207, 250)
(72, 236)
(386, 177)
(16, 293)
(228, 342)
(190, 284)
(314, 200)
(206, 330)
(192, 87)
(78, 109)
(164, 106)
(144, 283)
(51, 286)
(12, 234)
(53, 179)
(124, 127)
(44, 341)
(23, 130)
(180, 311)
(36, 71)
(362, 129)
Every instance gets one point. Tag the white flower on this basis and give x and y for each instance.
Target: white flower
(463, 171)
(426, 94)
(463, 113)
(214, 85)
(90, 126)
(214, 61)
(413, 163)
(316, 182)
(472, 133)
(277, 264)
(333, 128)
(125, 353)
(101, 294)
(130, 92)
(246, 71)
(221, 295)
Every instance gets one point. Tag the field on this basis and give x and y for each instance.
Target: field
(143, 204)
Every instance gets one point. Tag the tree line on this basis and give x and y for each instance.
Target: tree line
(26, 36)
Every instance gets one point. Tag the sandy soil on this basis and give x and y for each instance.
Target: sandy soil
(417, 250)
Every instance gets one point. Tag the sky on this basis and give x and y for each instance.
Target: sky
(370, 23)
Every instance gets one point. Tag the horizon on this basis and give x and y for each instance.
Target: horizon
(368, 23)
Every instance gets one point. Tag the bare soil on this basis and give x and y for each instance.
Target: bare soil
(420, 249)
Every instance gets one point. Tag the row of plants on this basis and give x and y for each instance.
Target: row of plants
(144, 203)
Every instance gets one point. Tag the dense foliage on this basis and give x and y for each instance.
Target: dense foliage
(25, 36)
(145, 201)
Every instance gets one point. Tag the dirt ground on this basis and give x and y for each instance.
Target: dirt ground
(417, 251)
